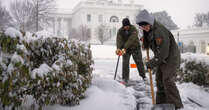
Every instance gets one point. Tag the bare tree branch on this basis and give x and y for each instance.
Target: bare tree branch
(102, 33)
(31, 15)
(201, 19)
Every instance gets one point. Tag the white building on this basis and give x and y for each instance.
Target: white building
(197, 37)
(92, 13)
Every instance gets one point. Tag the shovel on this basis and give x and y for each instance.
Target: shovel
(116, 67)
(157, 106)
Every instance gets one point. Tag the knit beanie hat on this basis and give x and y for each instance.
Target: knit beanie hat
(126, 22)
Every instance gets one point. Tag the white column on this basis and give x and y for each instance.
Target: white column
(53, 24)
(62, 27)
(59, 27)
(56, 26)
(66, 27)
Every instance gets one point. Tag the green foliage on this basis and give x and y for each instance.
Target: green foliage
(8, 44)
(66, 81)
(198, 73)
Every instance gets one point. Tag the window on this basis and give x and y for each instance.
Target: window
(88, 18)
(110, 33)
(100, 18)
(114, 31)
(114, 19)
(203, 46)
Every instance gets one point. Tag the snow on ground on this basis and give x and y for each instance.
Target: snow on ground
(107, 94)
(196, 93)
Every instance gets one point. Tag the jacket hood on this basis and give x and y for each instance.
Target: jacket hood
(145, 16)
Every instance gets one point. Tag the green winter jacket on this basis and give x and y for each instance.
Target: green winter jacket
(127, 40)
(164, 46)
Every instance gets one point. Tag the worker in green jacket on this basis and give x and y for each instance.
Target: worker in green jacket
(128, 44)
(166, 58)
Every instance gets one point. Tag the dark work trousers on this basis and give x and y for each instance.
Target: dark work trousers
(137, 56)
(167, 92)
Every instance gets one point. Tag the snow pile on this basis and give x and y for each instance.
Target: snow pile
(48, 69)
(104, 94)
(109, 92)
(194, 97)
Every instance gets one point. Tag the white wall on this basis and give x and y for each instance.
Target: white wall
(200, 37)
(78, 16)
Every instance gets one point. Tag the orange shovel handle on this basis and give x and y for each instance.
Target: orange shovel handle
(151, 83)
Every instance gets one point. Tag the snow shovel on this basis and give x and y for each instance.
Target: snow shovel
(151, 83)
(117, 67)
(157, 106)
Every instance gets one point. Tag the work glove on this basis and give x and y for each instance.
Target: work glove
(118, 52)
(149, 65)
(123, 51)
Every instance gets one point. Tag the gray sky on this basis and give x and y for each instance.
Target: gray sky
(181, 11)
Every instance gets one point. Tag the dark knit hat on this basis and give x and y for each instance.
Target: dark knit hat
(142, 23)
(126, 22)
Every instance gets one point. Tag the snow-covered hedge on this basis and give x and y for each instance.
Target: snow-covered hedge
(195, 68)
(48, 69)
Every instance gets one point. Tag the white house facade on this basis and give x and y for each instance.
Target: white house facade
(92, 13)
(197, 37)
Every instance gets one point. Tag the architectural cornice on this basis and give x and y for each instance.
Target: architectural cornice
(191, 31)
(106, 5)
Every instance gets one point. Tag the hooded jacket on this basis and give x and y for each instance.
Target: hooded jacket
(144, 16)
(161, 41)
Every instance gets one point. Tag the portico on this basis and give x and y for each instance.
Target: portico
(197, 37)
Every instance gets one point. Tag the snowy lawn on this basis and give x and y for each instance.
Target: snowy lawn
(107, 94)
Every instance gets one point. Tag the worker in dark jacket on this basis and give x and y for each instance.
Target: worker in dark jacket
(128, 44)
(166, 58)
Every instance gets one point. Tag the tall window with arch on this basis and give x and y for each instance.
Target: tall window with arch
(88, 18)
(114, 19)
(203, 46)
(114, 31)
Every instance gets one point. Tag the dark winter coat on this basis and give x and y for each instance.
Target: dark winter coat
(166, 59)
(127, 39)
(164, 46)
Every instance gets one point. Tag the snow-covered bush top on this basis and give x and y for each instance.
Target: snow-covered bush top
(198, 58)
(12, 32)
(51, 70)
(42, 71)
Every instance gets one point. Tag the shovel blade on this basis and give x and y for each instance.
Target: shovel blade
(163, 107)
